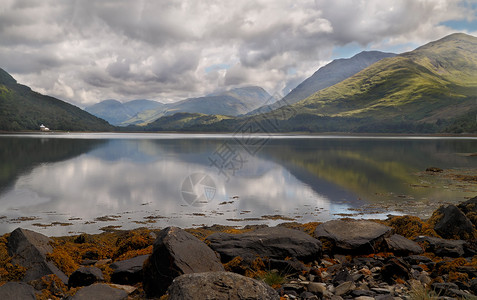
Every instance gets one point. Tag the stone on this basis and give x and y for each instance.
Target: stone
(452, 223)
(100, 291)
(473, 286)
(355, 236)
(271, 242)
(291, 265)
(442, 247)
(364, 298)
(85, 276)
(176, 252)
(128, 271)
(344, 288)
(219, 285)
(434, 169)
(17, 291)
(402, 246)
(308, 296)
(316, 288)
(395, 268)
(417, 259)
(444, 287)
(29, 249)
(469, 208)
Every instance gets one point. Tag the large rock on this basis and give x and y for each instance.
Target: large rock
(85, 276)
(469, 208)
(400, 245)
(17, 291)
(128, 271)
(271, 242)
(219, 285)
(100, 291)
(451, 223)
(442, 247)
(356, 236)
(29, 249)
(175, 253)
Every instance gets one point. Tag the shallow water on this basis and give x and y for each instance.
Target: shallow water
(154, 180)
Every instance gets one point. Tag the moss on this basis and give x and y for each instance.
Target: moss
(51, 287)
(134, 243)
(8, 271)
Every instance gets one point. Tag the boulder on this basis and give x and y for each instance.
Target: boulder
(451, 223)
(219, 285)
(100, 291)
(395, 268)
(17, 291)
(128, 271)
(271, 242)
(28, 249)
(355, 236)
(85, 276)
(176, 252)
(442, 247)
(400, 245)
(469, 208)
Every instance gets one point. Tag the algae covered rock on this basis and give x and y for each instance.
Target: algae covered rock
(451, 223)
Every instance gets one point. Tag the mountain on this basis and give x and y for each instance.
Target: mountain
(430, 89)
(23, 109)
(231, 103)
(328, 75)
(116, 112)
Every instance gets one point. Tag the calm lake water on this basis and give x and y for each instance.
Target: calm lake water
(61, 184)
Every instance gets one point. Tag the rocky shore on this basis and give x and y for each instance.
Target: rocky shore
(402, 257)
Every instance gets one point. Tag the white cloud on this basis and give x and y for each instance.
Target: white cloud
(86, 51)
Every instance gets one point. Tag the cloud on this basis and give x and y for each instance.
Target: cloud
(86, 51)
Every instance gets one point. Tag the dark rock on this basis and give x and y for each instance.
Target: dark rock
(271, 242)
(342, 276)
(100, 291)
(128, 271)
(384, 297)
(51, 283)
(400, 245)
(395, 268)
(434, 169)
(29, 249)
(344, 288)
(469, 208)
(316, 288)
(298, 288)
(473, 286)
(451, 223)
(417, 259)
(290, 265)
(176, 252)
(85, 276)
(442, 247)
(469, 270)
(17, 291)
(365, 293)
(219, 285)
(356, 236)
(366, 261)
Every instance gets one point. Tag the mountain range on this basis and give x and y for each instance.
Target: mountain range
(430, 89)
(23, 109)
(233, 102)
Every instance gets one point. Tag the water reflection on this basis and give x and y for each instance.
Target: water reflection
(137, 181)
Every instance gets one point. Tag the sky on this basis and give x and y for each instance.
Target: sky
(167, 50)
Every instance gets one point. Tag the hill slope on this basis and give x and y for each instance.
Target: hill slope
(23, 109)
(116, 112)
(231, 103)
(328, 75)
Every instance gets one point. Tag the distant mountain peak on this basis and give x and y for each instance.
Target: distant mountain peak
(6, 78)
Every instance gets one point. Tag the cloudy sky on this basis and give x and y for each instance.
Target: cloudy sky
(166, 50)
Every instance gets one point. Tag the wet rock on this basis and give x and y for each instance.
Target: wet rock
(355, 236)
(85, 276)
(442, 247)
(128, 271)
(219, 285)
(100, 291)
(400, 245)
(271, 242)
(29, 249)
(17, 291)
(451, 223)
(176, 252)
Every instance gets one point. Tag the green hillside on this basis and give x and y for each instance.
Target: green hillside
(428, 90)
(23, 109)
